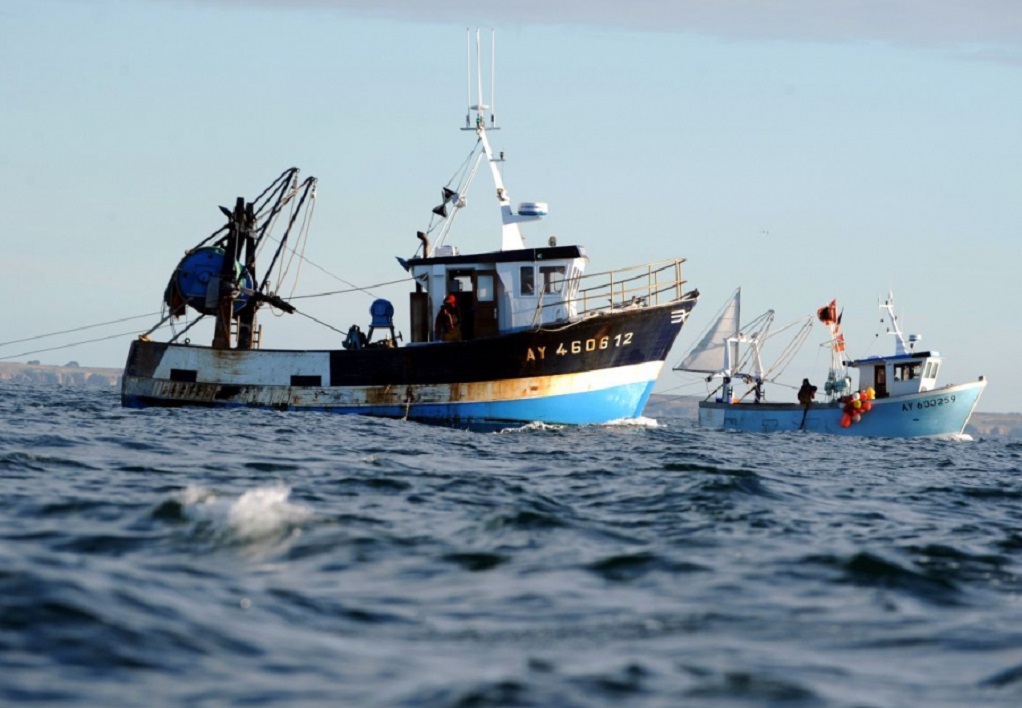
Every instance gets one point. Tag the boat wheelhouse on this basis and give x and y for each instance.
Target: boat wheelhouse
(498, 292)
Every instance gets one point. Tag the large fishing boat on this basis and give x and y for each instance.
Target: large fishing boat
(513, 335)
(897, 396)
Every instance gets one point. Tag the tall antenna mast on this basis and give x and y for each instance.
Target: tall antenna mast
(900, 347)
(493, 76)
(479, 77)
(468, 74)
(477, 106)
(511, 235)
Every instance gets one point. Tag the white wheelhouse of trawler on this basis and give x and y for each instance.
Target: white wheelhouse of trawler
(501, 291)
(498, 292)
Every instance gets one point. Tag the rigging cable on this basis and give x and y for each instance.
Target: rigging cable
(794, 346)
(269, 226)
(464, 184)
(354, 288)
(284, 182)
(303, 314)
(76, 329)
(225, 227)
(303, 241)
(72, 344)
(187, 327)
(309, 185)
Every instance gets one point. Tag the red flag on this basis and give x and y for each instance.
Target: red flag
(839, 343)
(828, 313)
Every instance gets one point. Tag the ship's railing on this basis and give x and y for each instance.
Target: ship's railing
(631, 287)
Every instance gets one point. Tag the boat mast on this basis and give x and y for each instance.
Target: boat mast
(838, 380)
(247, 314)
(226, 283)
(900, 347)
(719, 355)
(511, 234)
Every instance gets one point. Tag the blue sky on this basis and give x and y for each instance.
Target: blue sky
(803, 150)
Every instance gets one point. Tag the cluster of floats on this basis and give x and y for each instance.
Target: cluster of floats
(508, 336)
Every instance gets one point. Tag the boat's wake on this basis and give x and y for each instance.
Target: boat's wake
(639, 422)
(531, 427)
(955, 437)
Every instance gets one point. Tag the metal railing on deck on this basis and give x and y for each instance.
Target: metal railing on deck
(635, 286)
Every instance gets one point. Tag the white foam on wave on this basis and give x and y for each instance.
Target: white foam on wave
(257, 513)
(195, 494)
(639, 422)
(528, 427)
(955, 437)
(264, 511)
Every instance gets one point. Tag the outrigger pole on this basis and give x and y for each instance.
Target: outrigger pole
(242, 237)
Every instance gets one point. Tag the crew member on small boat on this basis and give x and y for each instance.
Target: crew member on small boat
(807, 393)
(448, 321)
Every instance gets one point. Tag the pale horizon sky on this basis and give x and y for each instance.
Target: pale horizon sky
(802, 150)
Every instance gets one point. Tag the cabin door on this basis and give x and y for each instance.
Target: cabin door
(484, 282)
(880, 379)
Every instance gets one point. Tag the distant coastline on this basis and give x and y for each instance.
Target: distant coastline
(1004, 425)
(68, 375)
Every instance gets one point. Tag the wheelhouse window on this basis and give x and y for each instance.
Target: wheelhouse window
(484, 287)
(931, 370)
(459, 281)
(553, 278)
(908, 372)
(527, 280)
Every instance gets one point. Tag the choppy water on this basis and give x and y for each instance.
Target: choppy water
(194, 557)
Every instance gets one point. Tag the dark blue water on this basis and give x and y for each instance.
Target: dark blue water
(193, 557)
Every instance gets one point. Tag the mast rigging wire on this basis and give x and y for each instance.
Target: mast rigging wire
(352, 289)
(72, 344)
(76, 329)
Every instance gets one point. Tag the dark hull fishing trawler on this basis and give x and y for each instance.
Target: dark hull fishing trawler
(511, 336)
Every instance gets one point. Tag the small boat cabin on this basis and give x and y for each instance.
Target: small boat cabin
(900, 374)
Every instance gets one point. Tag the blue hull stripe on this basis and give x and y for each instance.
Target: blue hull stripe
(589, 407)
(625, 401)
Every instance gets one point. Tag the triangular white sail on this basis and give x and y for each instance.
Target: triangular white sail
(710, 356)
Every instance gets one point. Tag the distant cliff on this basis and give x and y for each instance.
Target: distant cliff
(70, 375)
(1002, 425)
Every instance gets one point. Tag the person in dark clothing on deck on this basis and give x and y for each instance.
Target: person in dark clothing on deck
(807, 393)
(805, 397)
(448, 321)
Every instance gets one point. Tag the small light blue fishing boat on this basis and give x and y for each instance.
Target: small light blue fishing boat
(897, 395)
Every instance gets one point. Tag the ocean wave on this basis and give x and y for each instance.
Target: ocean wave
(224, 557)
(260, 514)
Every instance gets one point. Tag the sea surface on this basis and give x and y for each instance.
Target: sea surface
(245, 557)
